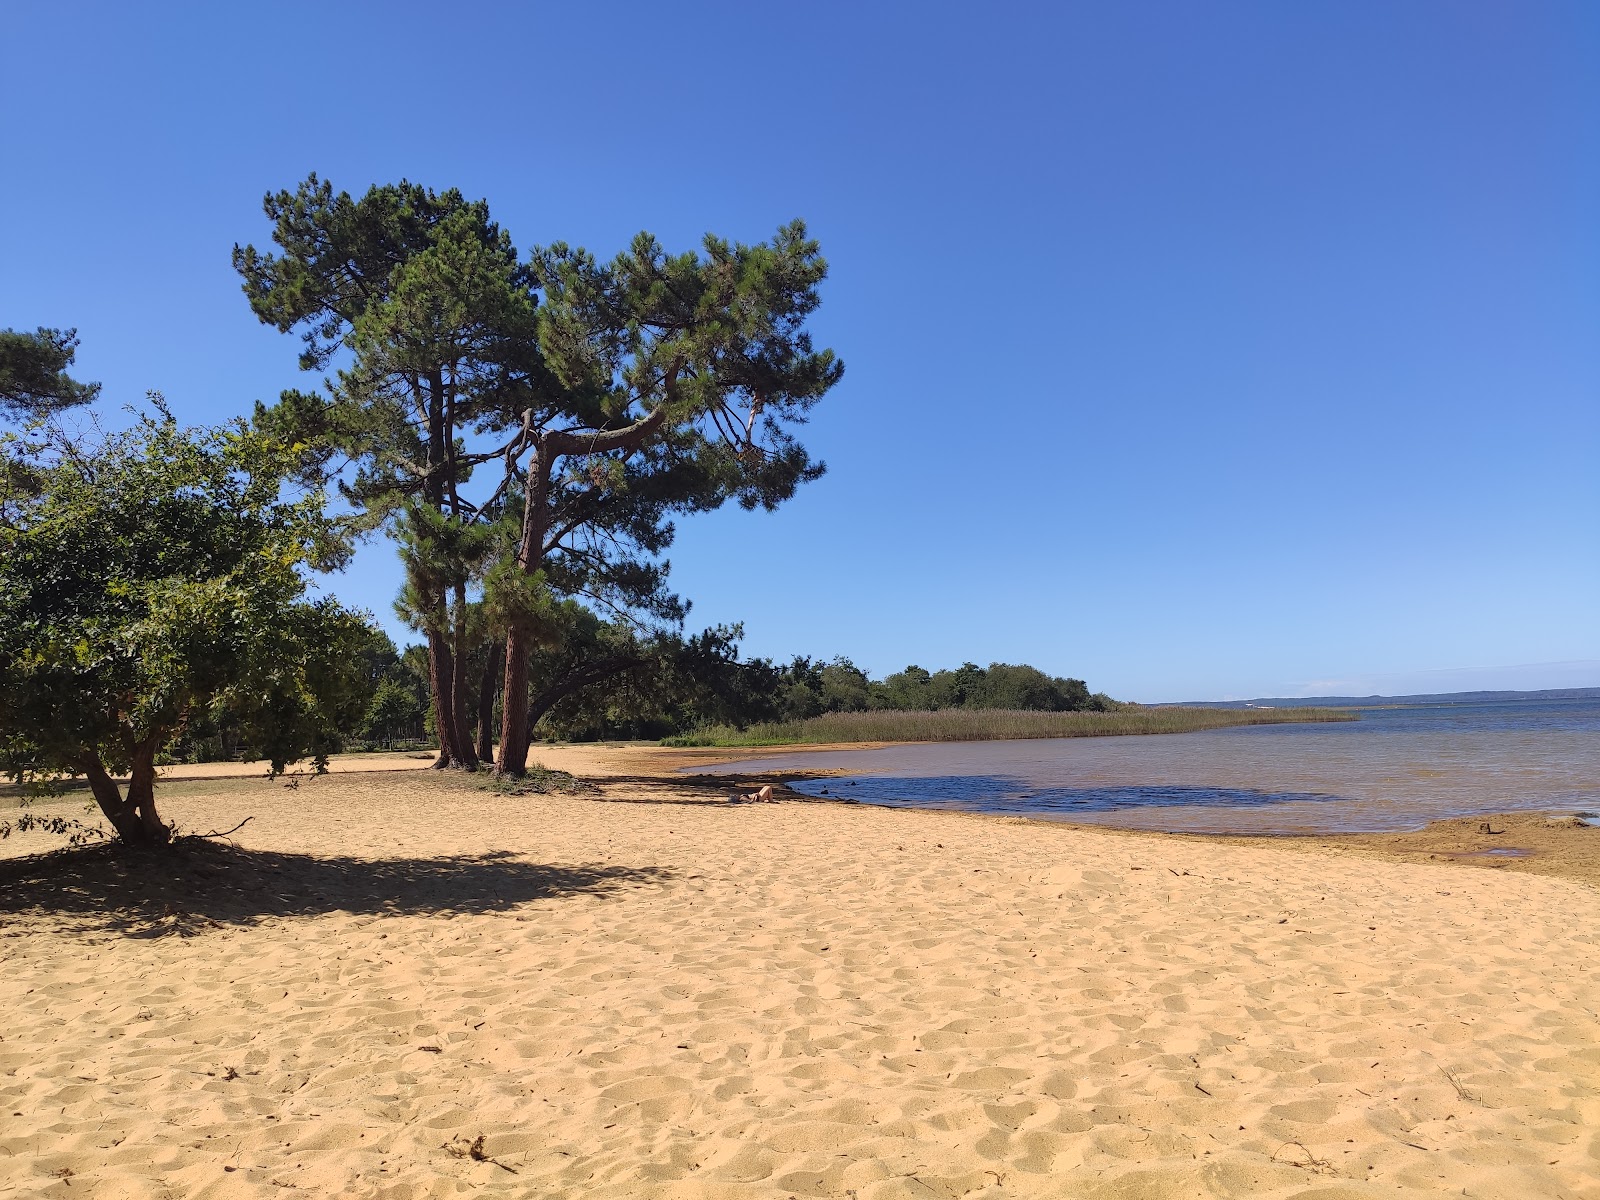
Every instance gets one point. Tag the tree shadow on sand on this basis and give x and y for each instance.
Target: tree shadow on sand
(196, 886)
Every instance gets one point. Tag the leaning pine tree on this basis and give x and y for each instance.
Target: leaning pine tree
(673, 382)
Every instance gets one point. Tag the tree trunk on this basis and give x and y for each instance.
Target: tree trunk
(530, 555)
(486, 687)
(441, 662)
(531, 551)
(134, 818)
(466, 754)
(441, 681)
(109, 797)
(514, 707)
(142, 795)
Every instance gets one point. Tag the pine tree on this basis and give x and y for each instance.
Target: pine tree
(673, 384)
(419, 300)
(33, 373)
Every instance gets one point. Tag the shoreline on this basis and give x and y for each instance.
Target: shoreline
(1540, 842)
(1556, 844)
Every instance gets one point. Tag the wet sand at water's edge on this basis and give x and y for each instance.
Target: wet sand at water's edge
(403, 985)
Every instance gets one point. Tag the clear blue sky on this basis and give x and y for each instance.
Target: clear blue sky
(1197, 350)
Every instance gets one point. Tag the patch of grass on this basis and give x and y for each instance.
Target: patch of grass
(984, 725)
(539, 780)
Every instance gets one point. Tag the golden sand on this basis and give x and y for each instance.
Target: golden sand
(401, 985)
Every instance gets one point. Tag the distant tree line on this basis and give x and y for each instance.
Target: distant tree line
(810, 687)
(667, 685)
(657, 687)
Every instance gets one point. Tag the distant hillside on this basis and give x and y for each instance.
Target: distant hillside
(1371, 701)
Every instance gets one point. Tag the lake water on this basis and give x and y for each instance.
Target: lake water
(1396, 768)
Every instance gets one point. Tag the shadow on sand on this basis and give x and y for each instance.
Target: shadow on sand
(195, 886)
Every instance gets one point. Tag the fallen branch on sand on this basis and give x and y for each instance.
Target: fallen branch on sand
(461, 1148)
(216, 833)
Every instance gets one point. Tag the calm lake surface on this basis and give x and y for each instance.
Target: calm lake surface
(1395, 768)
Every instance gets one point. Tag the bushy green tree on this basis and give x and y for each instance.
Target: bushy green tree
(157, 578)
(910, 690)
(1005, 685)
(217, 738)
(394, 712)
(806, 687)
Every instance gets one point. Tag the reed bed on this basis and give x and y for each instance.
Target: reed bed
(996, 724)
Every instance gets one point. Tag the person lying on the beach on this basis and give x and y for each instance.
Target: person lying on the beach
(764, 796)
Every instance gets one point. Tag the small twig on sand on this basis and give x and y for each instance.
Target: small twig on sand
(1317, 1166)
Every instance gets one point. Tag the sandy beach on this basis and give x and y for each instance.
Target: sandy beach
(403, 985)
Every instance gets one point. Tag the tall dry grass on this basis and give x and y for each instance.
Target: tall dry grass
(986, 725)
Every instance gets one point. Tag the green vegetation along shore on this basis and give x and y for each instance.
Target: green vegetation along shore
(984, 725)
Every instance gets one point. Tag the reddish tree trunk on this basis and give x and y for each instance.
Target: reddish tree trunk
(466, 754)
(531, 550)
(441, 681)
(134, 817)
(514, 707)
(142, 795)
(441, 661)
(486, 690)
(530, 553)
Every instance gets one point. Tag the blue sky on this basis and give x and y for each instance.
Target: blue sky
(1197, 350)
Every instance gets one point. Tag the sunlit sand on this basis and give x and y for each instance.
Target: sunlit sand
(402, 986)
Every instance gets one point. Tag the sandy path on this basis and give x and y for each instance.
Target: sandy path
(702, 1000)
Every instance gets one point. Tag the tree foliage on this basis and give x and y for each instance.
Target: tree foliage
(604, 680)
(33, 373)
(395, 712)
(155, 579)
(420, 301)
(742, 693)
(673, 385)
(614, 396)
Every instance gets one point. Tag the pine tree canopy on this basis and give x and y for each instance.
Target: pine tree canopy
(33, 373)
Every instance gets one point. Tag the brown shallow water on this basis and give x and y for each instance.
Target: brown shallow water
(1394, 769)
